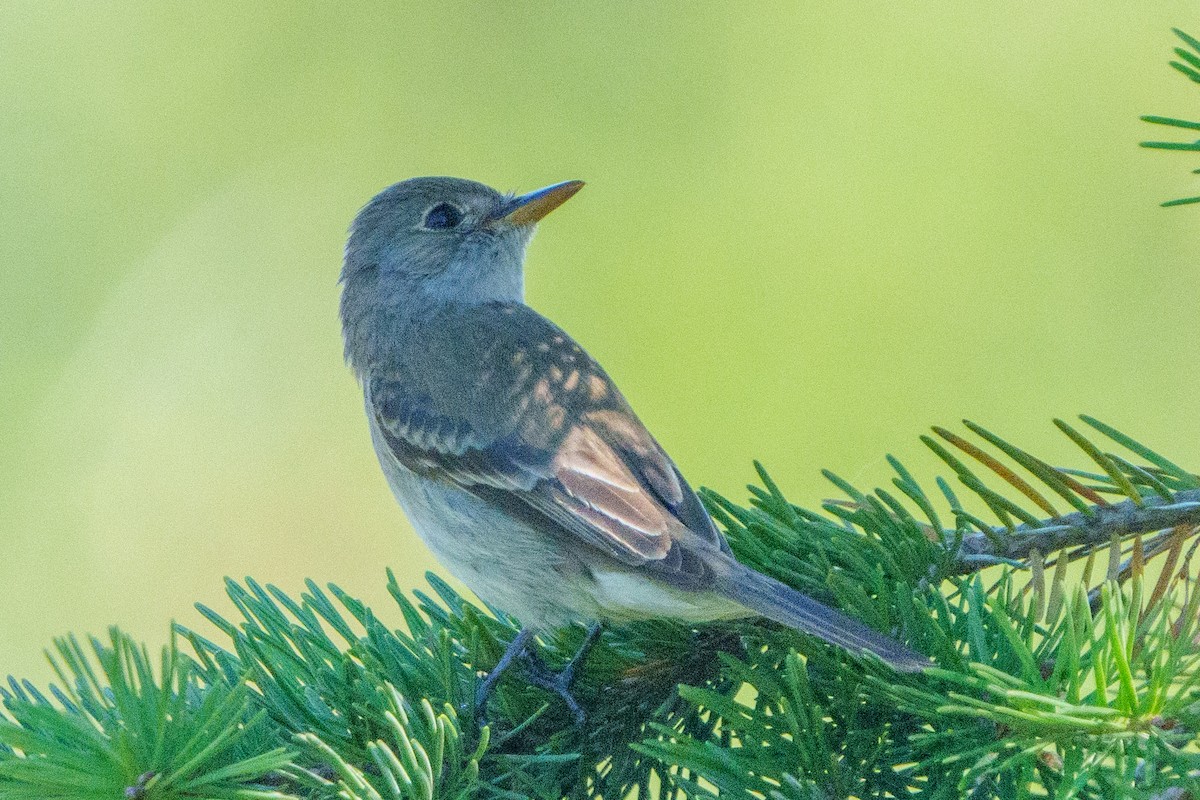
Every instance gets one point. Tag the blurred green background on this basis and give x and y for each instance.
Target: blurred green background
(810, 230)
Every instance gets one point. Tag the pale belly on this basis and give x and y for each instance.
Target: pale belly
(505, 563)
(531, 575)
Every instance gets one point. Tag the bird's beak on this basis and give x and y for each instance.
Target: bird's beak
(527, 209)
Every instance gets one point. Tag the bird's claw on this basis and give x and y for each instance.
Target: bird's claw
(563, 681)
(560, 683)
(540, 675)
(484, 693)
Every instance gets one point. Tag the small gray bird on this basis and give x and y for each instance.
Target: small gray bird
(512, 452)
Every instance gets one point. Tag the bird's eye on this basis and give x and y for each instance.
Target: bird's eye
(442, 217)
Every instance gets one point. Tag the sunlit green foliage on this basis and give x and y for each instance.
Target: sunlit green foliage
(113, 728)
(1046, 683)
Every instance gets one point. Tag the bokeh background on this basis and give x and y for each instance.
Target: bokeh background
(810, 231)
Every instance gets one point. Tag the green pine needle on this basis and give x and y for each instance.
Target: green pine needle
(1045, 685)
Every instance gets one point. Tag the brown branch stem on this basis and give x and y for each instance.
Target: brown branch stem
(1001, 545)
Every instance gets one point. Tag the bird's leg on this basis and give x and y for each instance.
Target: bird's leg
(515, 648)
(561, 682)
(589, 641)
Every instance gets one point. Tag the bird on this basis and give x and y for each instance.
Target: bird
(514, 455)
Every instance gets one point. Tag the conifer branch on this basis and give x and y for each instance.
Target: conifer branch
(1045, 685)
(1187, 64)
(1095, 529)
(1039, 682)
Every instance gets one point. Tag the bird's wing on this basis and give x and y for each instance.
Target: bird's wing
(499, 401)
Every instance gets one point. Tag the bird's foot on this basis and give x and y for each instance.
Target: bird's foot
(563, 681)
(484, 693)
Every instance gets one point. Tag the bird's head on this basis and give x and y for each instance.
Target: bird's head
(446, 239)
(426, 243)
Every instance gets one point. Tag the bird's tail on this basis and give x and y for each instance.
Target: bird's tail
(774, 600)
